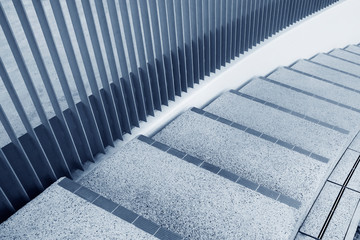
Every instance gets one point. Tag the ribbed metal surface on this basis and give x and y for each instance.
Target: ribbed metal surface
(115, 63)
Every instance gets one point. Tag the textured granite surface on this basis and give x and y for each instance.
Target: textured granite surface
(327, 73)
(59, 214)
(315, 86)
(320, 210)
(346, 55)
(355, 145)
(353, 48)
(301, 236)
(303, 104)
(251, 157)
(337, 63)
(297, 131)
(341, 219)
(186, 199)
(343, 169)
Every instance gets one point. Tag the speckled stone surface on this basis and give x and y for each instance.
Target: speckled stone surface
(248, 156)
(59, 214)
(343, 169)
(355, 145)
(320, 210)
(346, 55)
(341, 219)
(353, 48)
(315, 86)
(303, 104)
(186, 199)
(327, 73)
(337, 63)
(300, 132)
(301, 236)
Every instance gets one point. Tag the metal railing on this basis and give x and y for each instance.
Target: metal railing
(99, 68)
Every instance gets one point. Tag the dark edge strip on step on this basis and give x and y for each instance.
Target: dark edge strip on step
(335, 69)
(336, 203)
(118, 210)
(311, 94)
(222, 172)
(343, 59)
(261, 135)
(324, 80)
(305, 234)
(349, 51)
(296, 114)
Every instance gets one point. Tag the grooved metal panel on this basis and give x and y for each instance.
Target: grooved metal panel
(111, 64)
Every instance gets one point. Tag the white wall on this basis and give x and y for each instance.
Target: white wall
(334, 27)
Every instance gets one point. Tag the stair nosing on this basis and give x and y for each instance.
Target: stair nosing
(135, 219)
(291, 112)
(335, 69)
(311, 94)
(235, 178)
(323, 79)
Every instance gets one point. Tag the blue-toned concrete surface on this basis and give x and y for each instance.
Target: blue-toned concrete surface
(353, 48)
(186, 199)
(328, 74)
(337, 63)
(59, 214)
(320, 210)
(249, 156)
(287, 127)
(352, 57)
(304, 104)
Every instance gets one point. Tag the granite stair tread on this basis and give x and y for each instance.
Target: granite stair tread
(59, 214)
(290, 128)
(349, 56)
(353, 48)
(337, 63)
(254, 158)
(328, 74)
(187, 199)
(304, 104)
(317, 87)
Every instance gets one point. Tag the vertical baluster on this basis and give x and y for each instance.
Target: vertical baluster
(187, 43)
(75, 162)
(138, 85)
(74, 66)
(180, 43)
(127, 107)
(206, 34)
(167, 91)
(56, 168)
(43, 169)
(23, 167)
(159, 18)
(113, 112)
(61, 76)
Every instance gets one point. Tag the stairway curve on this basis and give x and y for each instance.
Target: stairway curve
(276, 158)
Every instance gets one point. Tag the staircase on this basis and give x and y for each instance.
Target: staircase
(275, 159)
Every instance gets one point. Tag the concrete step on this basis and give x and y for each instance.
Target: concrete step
(327, 74)
(337, 63)
(353, 48)
(304, 103)
(339, 95)
(340, 221)
(187, 199)
(59, 214)
(280, 124)
(240, 150)
(346, 55)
